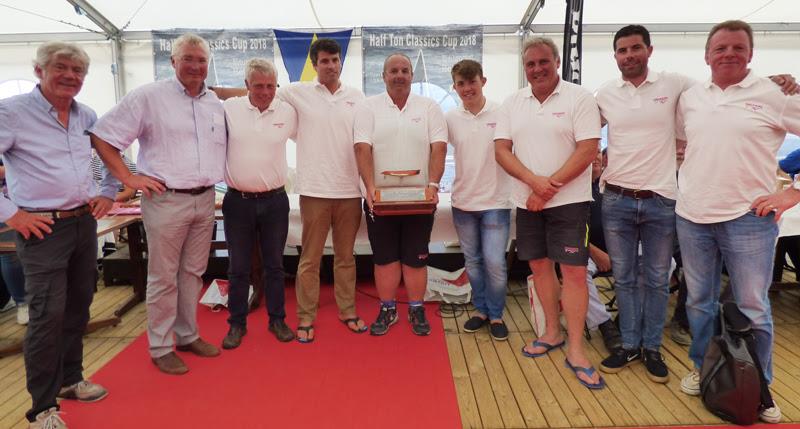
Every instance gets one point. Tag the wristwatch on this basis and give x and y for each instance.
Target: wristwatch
(436, 185)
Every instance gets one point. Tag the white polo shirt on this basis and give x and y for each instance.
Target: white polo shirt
(480, 183)
(400, 138)
(326, 165)
(641, 131)
(545, 135)
(256, 160)
(733, 137)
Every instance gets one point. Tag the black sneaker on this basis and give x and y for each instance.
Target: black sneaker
(611, 336)
(234, 337)
(619, 359)
(386, 318)
(474, 324)
(419, 324)
(656, 368)
(499, 331)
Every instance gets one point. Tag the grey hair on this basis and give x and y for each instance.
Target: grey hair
(49, 50)
(539, 41)
(259, 64)
(190, 39)
(398, 54)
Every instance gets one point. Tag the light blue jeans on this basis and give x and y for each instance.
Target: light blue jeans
(746, 245)
(642, 305)
(484, 237)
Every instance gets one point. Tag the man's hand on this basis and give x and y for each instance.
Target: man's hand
(435, 192)
(535, 203)
(26, 224)
(787, 83)
(100, 206)
(544, 187)
(778, 202)
(600, 258)
(370, 197)
(146, 184)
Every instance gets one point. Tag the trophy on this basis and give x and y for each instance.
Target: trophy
(404, 192)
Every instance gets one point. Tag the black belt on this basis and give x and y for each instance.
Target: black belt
(256, 195)
(191, 191)
(638, 194)
(63, 214)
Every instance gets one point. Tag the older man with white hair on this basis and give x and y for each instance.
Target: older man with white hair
(53, 205)
(180, 126)
(256, 207)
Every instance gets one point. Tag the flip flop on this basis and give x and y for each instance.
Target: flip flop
(354, 320)
(547, 349)
(601, 383)
(307, 330)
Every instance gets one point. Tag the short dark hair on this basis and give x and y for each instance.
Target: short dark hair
(467, 69)
(326, 45)
(632, 30)
(732, 25)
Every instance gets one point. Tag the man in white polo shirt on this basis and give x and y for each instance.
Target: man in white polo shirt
(639, 198)
(327, 181)
(404, 131)
(553, 128)
(481, 208)
(727, 208)
(256, 207)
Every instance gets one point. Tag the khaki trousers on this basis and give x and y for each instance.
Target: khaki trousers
(319, 215)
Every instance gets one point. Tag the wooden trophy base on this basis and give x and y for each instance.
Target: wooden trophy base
(403, 201)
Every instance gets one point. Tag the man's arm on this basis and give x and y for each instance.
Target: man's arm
(436, 166)
(600, 258)
(113, 160)
(225, 93)
(585, 152)
(366, 169)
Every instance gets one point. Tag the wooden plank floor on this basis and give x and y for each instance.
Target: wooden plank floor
(496, 386)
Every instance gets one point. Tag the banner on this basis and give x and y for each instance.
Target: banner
(295, 48)
(230, 50)
(433, 52)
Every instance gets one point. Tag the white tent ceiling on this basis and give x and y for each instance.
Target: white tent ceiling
(42, 16)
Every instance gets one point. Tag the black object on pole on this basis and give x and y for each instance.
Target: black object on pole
(573, 43)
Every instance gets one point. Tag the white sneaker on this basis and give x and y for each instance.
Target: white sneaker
(48, 420)
(690, 384)
(9, 305)
(22, 314)
(84, 391)
(771, 414)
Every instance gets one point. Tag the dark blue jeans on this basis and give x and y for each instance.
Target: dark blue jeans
(249, 222)
(11, 277)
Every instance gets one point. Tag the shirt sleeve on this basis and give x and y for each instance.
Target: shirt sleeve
(292, 122)
(7, 118)
(587, 117)
(680, 124)
(437, 126)
(503, 128)
(123, 124)
(363, 124)
(790, 116)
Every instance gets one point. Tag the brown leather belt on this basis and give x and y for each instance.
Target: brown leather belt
(63, 214)
(256, 195)
(638, 194)
(191, 191)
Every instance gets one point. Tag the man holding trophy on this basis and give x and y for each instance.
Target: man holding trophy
(400, 144)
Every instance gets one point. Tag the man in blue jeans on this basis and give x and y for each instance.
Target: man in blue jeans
(480, 198)
(727, 208)
(256, 207)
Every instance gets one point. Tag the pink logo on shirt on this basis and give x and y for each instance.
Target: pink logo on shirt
(416, 120)
(350, 103)
(572, 250)
(753, 107)
(559, 114)
(660, 100)
(278, 124)
(491, 124)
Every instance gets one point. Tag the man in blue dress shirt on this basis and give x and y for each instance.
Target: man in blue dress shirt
(180, 126)
(53, 205)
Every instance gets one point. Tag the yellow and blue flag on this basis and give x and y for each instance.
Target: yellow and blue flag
(295, 47)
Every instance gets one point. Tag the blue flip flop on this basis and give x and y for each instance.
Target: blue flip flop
(588, 371)
(547, 348)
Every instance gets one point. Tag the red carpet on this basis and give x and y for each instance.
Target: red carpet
(341, 380)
